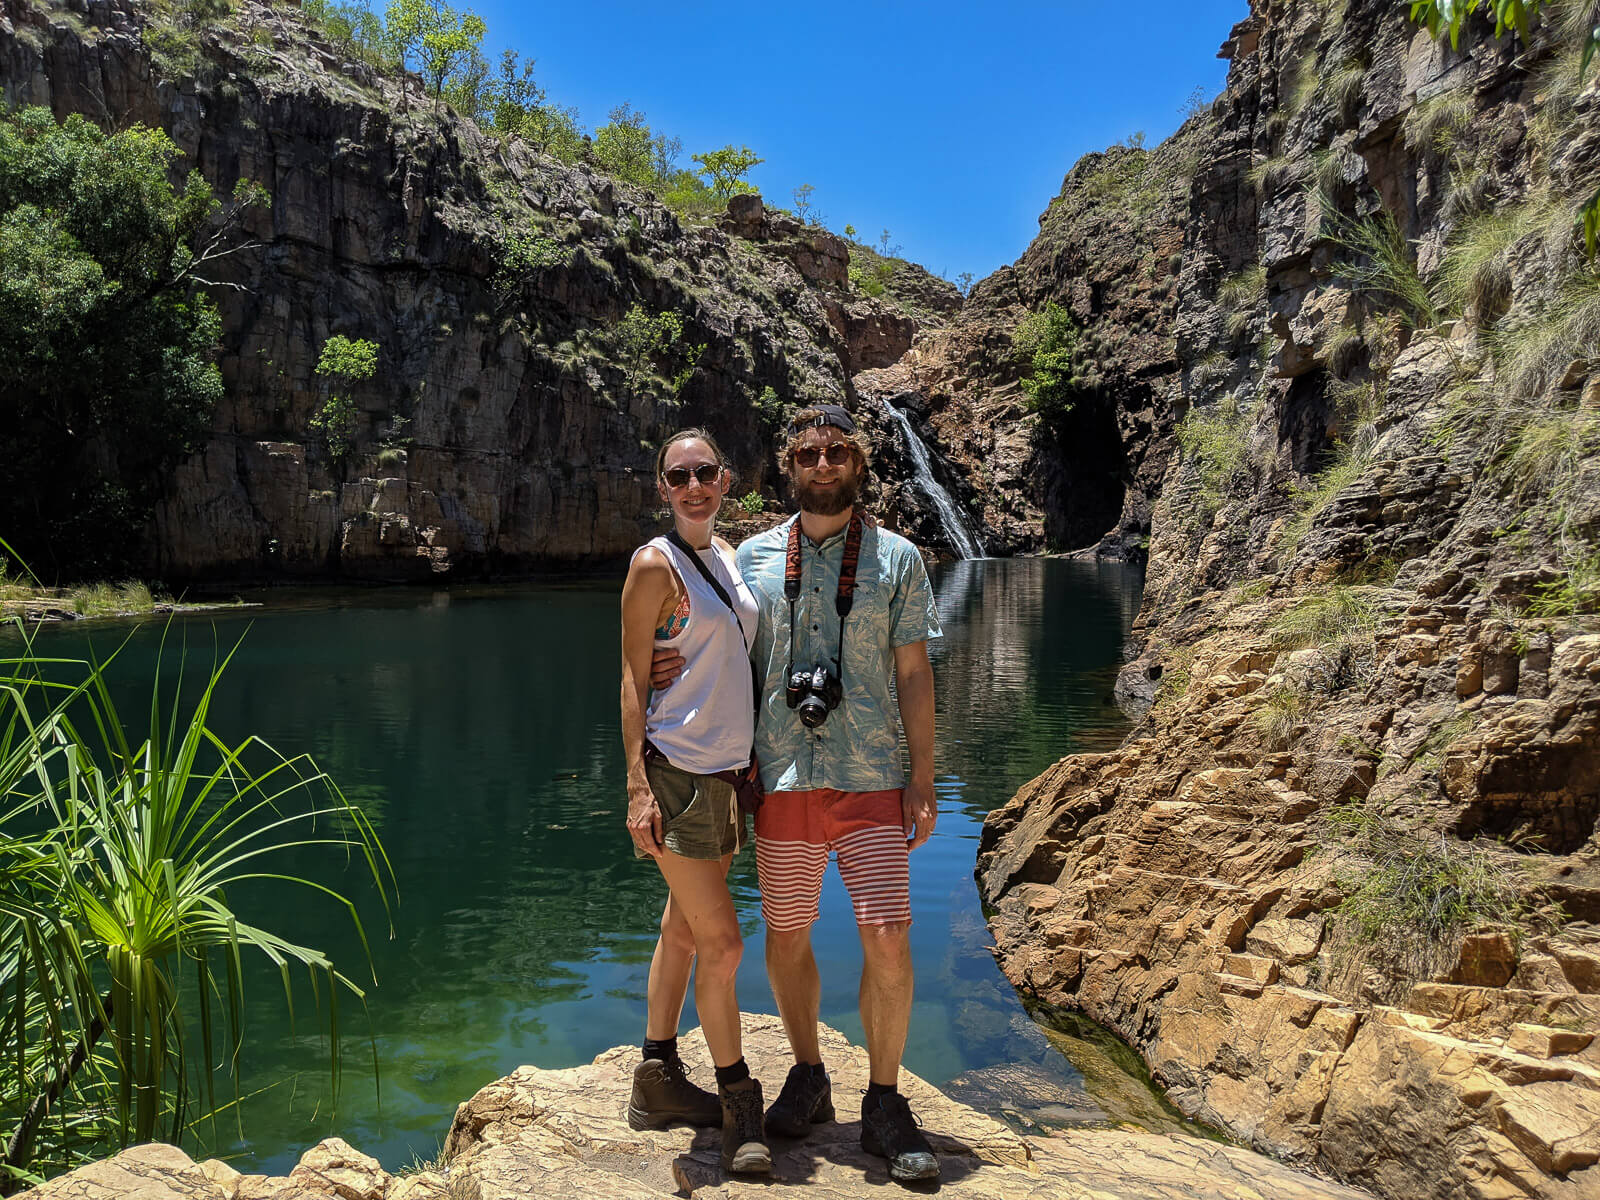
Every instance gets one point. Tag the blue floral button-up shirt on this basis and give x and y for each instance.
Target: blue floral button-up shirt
(857, 749)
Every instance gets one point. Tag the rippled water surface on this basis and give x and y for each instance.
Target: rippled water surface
(479, 729)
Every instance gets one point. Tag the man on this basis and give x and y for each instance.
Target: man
(829, 748)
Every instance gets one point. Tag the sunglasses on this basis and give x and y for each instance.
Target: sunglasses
(678, 477)
(837, 454)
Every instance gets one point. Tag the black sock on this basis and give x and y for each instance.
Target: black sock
(666, 1049)
(818, 1071)
(877, 1091)
(732, 1074)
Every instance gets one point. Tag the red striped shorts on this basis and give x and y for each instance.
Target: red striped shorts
(796, 830)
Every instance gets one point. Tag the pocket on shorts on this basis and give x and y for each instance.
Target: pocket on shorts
(673, 789)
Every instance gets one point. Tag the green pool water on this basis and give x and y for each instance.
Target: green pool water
(478, 727)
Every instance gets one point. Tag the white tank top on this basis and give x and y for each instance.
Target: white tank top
(705, 722)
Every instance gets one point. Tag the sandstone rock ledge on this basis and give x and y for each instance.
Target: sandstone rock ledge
(539, 1133)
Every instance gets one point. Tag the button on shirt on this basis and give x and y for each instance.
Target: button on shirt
(857, 749)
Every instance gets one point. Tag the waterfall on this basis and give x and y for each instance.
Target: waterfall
(963, 540)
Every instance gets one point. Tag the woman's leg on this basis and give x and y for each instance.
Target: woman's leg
(669, 974)
(700, 896)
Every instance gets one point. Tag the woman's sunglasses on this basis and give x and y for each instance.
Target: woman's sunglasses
(678, 477)
(837, 454)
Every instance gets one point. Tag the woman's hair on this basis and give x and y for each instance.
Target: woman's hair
(793, 441)
(688, 435)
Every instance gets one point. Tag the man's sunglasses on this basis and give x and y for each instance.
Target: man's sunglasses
(678, 477)
(837, 454)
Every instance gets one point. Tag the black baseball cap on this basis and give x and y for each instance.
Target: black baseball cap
(827, 414)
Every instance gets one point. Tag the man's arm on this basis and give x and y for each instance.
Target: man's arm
(914, 685)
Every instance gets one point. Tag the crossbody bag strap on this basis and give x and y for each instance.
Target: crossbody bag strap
(716, 584)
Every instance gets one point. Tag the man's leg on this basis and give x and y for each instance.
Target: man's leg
(792, 971)
(791, 858)
(886, 986)
(875, 865)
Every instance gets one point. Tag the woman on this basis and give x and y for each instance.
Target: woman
(683, 591)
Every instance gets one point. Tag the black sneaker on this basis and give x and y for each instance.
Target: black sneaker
(889, 1130)
(744, 1149)
(663, 1095)
(806, 1100)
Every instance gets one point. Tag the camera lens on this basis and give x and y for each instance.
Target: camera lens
(813, 711)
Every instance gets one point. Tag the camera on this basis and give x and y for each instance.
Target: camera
(816, 692)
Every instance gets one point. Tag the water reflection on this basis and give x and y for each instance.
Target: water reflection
(479, 728)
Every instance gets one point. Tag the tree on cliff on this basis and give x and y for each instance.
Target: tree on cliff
(106, 378)
(727, 168)
(441, 38)
(626, 147)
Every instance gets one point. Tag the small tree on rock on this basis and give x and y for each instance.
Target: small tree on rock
(726, 170)
(343, 363)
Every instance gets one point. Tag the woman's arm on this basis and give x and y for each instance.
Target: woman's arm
(649, 587)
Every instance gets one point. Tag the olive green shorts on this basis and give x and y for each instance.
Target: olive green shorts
(699, 816)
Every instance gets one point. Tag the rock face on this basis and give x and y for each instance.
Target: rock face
(504, 428)
(1108, 252)
(561, 1134)
(1341, 886)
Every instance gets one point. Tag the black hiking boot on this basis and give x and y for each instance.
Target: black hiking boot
(806, 1100)
(889, 1130)
(744, 1148)
(663, 1094)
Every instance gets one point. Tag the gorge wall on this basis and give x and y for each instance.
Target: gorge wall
(503, 429)
(1341, 885)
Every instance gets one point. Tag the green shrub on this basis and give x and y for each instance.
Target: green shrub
(1380, 263)
(1273, 175)
(1415, 887)
(1060, 372)
(1212, 441)
(752, 503)
(344, 362)
(773, 413)
(869, 281)
(125, 846)
(1280, 716)
(638, 337)
(523, 255)
(1436, 123)
(1577, 591)
(1239, 296)
(1324, 619)
(106, 599)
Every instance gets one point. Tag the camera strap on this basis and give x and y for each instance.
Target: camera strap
(843, 600)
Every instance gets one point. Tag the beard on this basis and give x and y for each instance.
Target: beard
(830, 502)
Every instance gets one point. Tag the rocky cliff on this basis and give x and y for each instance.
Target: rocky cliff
(1341, 885)
(504, 428)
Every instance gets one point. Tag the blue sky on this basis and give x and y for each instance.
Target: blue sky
(949, 124)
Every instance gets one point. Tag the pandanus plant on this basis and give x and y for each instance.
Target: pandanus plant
(121, 956)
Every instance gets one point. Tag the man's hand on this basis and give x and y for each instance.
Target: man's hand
(919, 812)
(666, 665)
(644, 823)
